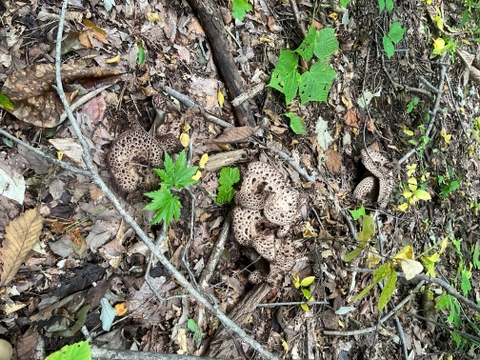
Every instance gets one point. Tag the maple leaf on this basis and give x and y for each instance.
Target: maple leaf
(166, 204)
(177, 174)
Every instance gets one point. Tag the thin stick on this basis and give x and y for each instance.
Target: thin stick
(129, 219)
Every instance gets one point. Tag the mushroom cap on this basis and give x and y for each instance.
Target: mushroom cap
(5, 350)
(131, 158)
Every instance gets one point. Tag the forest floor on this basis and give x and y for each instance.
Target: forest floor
(420, 110)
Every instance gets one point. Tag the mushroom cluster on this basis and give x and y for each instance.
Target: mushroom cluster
(135, 152)
(266, 207)
(380, 183)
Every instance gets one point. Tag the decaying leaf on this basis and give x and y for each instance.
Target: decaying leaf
(351, 118)
(34, 99)
(323, 136)
(20, 236)
(12, 184)
(235, 134)
(71, 148)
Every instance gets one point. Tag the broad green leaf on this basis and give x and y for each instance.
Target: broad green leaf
(78, 351)
(306, 293)
(396, 32)
(196, 331)
(389, 4)
(285, 76)
(344, 3)
(239, 8)
(381, 5)
(466, 286)
(141, 56)
(307, 46)
(6, 103)
(316, 83)
(325, 44)
(357, 213)
(307, 281)
(107, 314)
(352, 254)
(388, 290)
(388, 46)
(422, 194)
(368, 229)
(225, 194)
(229, 176)
(296, 124)
(166, 205)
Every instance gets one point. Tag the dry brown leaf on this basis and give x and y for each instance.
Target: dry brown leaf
(351, 118)
(20, 236)
(34, 99)
(371, 126)
(334, 161)
(235, 134)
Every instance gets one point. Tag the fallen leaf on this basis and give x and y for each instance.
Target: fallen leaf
(235, 134)
(334, 161)
(12, 184)
(71, 148)
(21, 235)
(351, 118)
(323, 136)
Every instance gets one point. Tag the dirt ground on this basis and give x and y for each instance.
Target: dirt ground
(419, 110)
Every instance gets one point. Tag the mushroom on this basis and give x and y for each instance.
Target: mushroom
(5, 350)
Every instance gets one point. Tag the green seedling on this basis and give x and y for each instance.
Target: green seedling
(228, 178)
(239, 9)
(411, 105)
(388, 4)
(304, 286)
(196, 332)
(367, 233)
(176, 175)
(395, 34)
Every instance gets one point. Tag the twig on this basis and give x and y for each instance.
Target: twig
(104, 354)
(50, 159)
(292, 303)
(129, 219)
(382, 320)
(298, 20)
(401, 334)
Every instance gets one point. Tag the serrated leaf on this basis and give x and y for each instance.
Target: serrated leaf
(296, 124)
(388, 290)
(229, 176)
(466, 286)
(239, 8)
(107, 314)
(177, 174)
(388, 46)
(410, 268)
(21, 234)
(315, 84)
(166, 205)
(225, 194)
(196, 331)
(422, 194)
(396, 32)
(307, 46)
(352, 254)
(357, 213)
(80, 351)
(285, 77)
(6, 103)
(325, 44)
(307, 281)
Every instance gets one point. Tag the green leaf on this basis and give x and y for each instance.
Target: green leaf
(6, 103)
(422, 194)
(196, 331)
(307, 281)
(306, 294)
(229, 176)
(389, 4)
(378, 275)
(177, 174)
(285, 76)
(141, 56)
(466, 286)
(325, 44)
(239, 8)
(368, 229)
(357, 213)
(381, 5)
(396, 32)
(352, 254)
(316, 83)
(225, 194)
(166, 205)
(388, 289)
(307, 46)
(388, 46)
(344, 3)
(296, 124)
(78, 351)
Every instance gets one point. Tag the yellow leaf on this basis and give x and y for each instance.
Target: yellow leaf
(444, 245)
(446, 137)
(407, 194)
(203, 161)
(186, 127)
(220, 98)
(285, 345)
(405, 253)
(407, 131)
(333, 16)
(307, 281)
(438, 44)
(197, 175)
(21, 235)
(433, 258)
(184, 140)
(438, 21)
(296, 281)
(372, 258)
(410, 268)
(60, 155)
(341, 324)
(113, 60)
(121, 309)
(304, 307)
(152, 17)
(411, 169)
(422, 194)
(402, 207)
